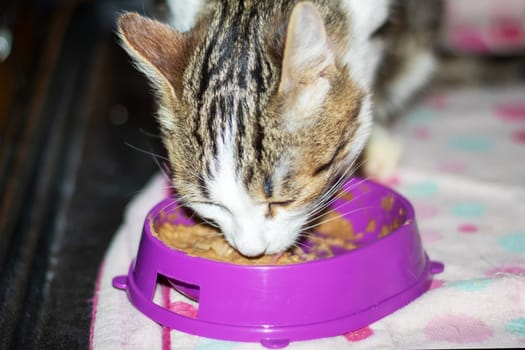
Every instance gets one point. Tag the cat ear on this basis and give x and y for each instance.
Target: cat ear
(158, 50)
(307, 51)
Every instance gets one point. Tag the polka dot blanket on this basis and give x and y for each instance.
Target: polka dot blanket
(464, 171)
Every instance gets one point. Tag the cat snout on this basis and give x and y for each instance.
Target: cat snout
(250, 246)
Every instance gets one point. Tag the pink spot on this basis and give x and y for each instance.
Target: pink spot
(507, 31)
(504, 270)
(436, 283)
(469, 40)
(184, 309)
(166, 337)
(459, 329)
(453, 167)
(437, 101)
(421, 133)
(360, 334)
(429, 236)
(511, 112)
(392, 181)
(519, 136)
(425, 211)
(467, 228)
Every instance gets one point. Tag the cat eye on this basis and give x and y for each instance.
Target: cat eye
(213, 204)
(281, 203)
(273, 205)
(382, 30)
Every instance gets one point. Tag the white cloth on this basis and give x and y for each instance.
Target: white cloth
(464, 171)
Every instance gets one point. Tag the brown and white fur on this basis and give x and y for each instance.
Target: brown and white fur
(264, 106)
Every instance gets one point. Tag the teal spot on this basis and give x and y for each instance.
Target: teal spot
(516, 326)
(212, 344)
(471, 144)
(514, 242)
(421, 189)
(468, 210)
(471, 285)
(420, 116)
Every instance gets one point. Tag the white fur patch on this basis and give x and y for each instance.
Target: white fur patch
(364, 55)
(243, 220)
(367, 16)
(418, 70)
(365, 118)
(383, 154)
(363, 58)
(246, 215)
(302, 114)
(166, 119)
(183, 13)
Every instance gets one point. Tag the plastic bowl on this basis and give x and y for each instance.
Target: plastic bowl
(281, 303)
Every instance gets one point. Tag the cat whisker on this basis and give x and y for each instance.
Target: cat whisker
(336, 218)
(209, 222)
(155, 156)
(328, 198)
(300, 245)
(150, 134)
(304, 234)
(173, 206)
(195, 216)
(320, 211)
(342, 178)
(169, 206)
(146, 152)
(320, 214)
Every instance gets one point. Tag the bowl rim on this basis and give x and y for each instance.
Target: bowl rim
(166, 202)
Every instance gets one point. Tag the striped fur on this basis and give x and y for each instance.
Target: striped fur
(264, 105)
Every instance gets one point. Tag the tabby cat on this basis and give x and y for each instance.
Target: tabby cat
(264, 106)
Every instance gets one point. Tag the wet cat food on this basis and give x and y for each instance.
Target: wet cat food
(332, 235)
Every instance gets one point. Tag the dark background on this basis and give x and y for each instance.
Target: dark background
(71, 105)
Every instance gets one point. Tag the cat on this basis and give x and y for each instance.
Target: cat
(265, 106)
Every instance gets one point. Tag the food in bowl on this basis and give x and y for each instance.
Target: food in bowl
(333, 234)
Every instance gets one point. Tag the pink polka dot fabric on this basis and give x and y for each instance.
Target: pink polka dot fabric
(488, 26)
(463, 169)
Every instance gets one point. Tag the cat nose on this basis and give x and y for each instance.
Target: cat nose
(250, 246)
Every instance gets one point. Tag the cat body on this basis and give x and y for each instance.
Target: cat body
(264, 107)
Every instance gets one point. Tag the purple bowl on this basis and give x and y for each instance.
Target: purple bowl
(281, 303)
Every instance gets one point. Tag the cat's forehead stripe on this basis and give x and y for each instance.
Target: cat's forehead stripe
(268, 186)
(231, 77)
(231, 84)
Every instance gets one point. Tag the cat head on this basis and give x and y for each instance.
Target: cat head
(258, 112)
